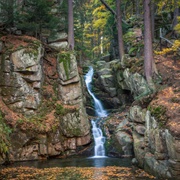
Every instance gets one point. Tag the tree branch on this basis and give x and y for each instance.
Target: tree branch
(161, 36)
(108, 7)
(112, 11)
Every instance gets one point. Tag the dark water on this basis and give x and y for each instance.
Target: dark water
(77, 162)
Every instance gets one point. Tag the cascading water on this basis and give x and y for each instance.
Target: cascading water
(99, 150)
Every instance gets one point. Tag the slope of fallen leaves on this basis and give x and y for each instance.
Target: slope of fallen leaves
(169, 96)
(75, 173)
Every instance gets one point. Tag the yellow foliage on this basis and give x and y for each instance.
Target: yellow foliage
(99, 23)
(174, 48)
(100, 8)
(177, 28)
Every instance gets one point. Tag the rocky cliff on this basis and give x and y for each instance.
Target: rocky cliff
(41, 102)
(148, 128)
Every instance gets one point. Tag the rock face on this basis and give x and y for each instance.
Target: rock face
(106, 86)
(41, 100)
(142, 132)
(21, 79)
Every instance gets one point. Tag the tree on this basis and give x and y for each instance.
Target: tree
(119, 28)
(7, 12)
(36, 15)
(176, 14)
(149, 65)
(118, 17)
(70, 25)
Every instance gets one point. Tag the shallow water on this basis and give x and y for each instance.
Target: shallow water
(77, 162)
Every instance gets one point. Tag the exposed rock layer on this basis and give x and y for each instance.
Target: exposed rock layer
(43, 106)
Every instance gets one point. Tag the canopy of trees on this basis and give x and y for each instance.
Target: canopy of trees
(100, 26)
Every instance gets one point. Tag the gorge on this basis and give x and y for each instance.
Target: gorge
(53, 85)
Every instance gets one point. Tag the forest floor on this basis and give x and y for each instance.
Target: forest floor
(74, 173)
(168, 94)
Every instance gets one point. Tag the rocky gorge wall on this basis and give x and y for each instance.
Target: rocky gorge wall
(41, 102)
(145, 129)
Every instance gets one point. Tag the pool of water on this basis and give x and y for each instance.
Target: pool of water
(77, 162)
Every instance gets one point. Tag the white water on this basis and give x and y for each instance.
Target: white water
(99, 150)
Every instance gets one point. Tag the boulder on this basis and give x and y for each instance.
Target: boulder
(59, 45)
(58, 36)
(136, 114)
(126, 142)
(136, 84)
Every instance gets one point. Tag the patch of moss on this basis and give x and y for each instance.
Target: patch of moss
(65, 58)
(33, 123)
(31, 51)
(5, 132)
(159, 112)
(60, 110)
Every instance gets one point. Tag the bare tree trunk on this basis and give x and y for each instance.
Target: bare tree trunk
(137, 8)
(70, 25)
(149, 65)
(176, 14)
(119, 28)
(152, 20)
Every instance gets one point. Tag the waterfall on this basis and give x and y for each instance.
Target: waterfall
(100, 112)
(99, 139)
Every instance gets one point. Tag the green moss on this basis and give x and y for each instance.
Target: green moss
(159, 112)
(65, 58)
(31, 51)
(60, 110)
(5, 131)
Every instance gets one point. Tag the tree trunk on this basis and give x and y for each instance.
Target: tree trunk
(119, 28)
(176, 14)
(152, 20)
(149, 65)
(137, 8)
(70, 25)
